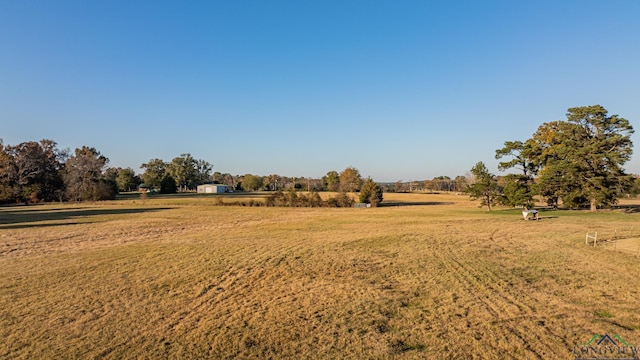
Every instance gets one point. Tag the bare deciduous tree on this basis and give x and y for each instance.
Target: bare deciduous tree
(84, 178)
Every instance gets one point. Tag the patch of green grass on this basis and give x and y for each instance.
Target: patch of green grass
(605, 314)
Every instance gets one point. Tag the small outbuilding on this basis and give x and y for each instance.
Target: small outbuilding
(212, 189)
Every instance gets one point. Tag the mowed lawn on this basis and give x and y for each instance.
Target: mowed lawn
(434, 277)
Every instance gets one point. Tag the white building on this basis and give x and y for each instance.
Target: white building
(212, 189)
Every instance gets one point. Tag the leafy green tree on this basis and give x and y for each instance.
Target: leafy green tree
(154, 172)
(371, 193)
(582, 159)
(548, 152)
(365, 192)
(551, 185)
(50, 177)
(111, 173)
(485, 186)
(189, 172)
(331, 181)
(635, 189)
(127, 179)
(168, 185)
(226, 179)
(517, 191)
(350, 180)
(183, 170)
(522, 157)
(252, 182)
(218, 177)
(203, 173)
(606, 147)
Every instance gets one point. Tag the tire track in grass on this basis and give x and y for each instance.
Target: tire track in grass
(229, 287)
(231, 301)
(530, 306)
(532, 320)
(546, 311)
(470, 283)
(489, 293)
(531, 327)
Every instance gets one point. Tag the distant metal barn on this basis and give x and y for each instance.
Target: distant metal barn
(211, 189)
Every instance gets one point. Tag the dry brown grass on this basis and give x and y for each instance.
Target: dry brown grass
(184, 279)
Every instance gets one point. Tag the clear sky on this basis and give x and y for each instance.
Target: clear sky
(398, 89)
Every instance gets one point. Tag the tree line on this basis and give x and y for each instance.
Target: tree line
(183, 173)
(38, 171)
(32, 172)
(577, 163)
(437, 184)
(348, 180)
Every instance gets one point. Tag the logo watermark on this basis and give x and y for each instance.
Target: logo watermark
(606, 347)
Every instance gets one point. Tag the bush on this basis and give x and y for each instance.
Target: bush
(371, 193)
(292, 199)
(105, 190)
(168, 185)
(341, 200)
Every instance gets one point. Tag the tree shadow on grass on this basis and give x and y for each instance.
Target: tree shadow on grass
(629, 209)
(411, 203)
(24, 226)
(540, 218)
(19, 218)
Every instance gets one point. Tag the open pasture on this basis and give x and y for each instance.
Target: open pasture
(431, 277)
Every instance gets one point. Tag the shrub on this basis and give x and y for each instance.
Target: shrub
(371, 193)
(341, 200)
(168, 185)
(292, 199)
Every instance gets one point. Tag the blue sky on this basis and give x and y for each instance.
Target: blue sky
(398, 89)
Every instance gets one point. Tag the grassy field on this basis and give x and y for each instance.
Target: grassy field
(433, 277)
